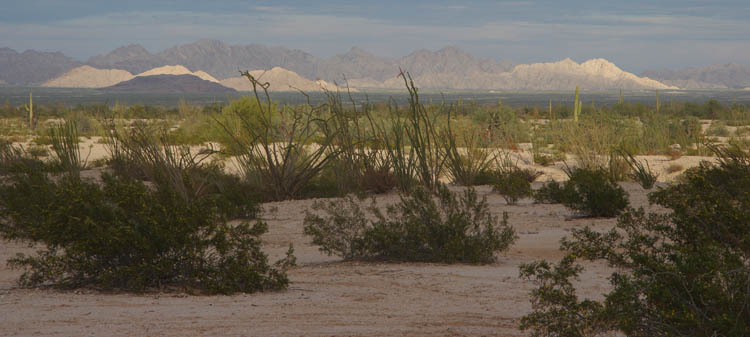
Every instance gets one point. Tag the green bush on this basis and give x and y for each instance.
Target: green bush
(453, 229)
(683, 273)
(551, 193)
(557, 311)
(588, 192)
(121, 234)
(512, 185)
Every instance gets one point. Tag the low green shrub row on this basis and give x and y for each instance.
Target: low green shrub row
(423, 226)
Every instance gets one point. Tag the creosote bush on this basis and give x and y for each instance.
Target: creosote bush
(512, 185)
(426, 227)
(588, 192)
(683, 273)
(123, 235)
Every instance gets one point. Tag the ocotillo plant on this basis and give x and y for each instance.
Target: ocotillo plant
(620, 100)
(658, 104)
(576, 107)
(30, 109)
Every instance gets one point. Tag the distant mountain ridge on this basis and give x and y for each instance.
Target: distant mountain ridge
(714, 76)
(33, 67)
(446, 68)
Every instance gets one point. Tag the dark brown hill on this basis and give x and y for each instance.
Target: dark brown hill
(169, 84)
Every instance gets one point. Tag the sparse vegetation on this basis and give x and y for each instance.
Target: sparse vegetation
(453, 229)
(681, 273)
(640, 173)
(588, 192)
(120, 234)
(512, 185)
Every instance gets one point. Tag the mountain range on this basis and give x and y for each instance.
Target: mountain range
(711, 77)
(447, 68)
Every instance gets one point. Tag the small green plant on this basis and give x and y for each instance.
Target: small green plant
(588, 192)
(14, 158)
(550, 193)
(512, 185)
(38, 151)
(718, 129)
(546, 159)
(453, 229)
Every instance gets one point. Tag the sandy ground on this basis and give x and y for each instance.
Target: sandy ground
(326, 297)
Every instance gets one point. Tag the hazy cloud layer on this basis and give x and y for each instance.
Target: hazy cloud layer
(633, 34)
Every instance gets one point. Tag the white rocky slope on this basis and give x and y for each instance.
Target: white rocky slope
(89, 77)
(279, 79)
(595, 74)
(178, 70)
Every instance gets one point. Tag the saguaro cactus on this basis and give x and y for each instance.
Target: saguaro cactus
(576, 106)
(551, 114)
(658, 104)
(30, 110)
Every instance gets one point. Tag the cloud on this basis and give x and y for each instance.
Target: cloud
(521, 31)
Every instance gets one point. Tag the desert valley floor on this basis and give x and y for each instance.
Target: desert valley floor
(326, 297)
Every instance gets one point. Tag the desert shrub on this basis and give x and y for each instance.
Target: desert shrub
(343, 231)
(683, 273)
(557, 311)
(377, 180)
(742, 131)
(14, 158)
(325, 184)
(718, 129)
(453, 229)
(547, 159)
(588, 192)
(121, 234)
(550, 193)
(148, 154)
(38, 151)
(592, 194)
(512, 185)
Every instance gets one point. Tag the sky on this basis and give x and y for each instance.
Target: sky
(634, 34)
